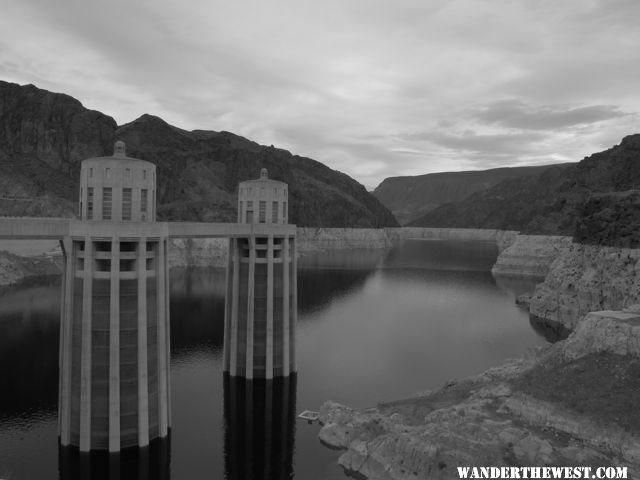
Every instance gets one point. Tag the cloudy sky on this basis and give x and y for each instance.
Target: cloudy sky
(374, 88)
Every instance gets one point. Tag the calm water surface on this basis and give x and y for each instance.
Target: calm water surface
(372, 326)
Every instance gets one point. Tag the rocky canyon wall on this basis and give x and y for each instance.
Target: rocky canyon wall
(530, 255)
(585, 278)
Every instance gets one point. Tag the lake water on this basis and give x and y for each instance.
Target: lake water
(372, 326)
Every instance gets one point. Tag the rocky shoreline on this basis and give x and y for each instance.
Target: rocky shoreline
(530, 255)
(570, 403)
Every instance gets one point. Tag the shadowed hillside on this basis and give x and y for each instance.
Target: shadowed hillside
(44, 136)
(550, 202)
(413, 196)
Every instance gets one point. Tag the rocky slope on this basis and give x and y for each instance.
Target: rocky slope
(530, 256)
(547, 203)
(411, 197)
(601, 269)
(611, 219)
(44, 136)
(571, 403)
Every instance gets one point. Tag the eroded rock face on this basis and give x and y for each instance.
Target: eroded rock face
(43, 138)
(616, 332)
(588, 278)
(530, 255)
(499, 418)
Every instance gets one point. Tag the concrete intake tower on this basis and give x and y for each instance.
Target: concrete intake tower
(261, 308)
(114, 360)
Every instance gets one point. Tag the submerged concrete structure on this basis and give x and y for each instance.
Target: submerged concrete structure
(259, 432)
(114, 385)
(261, 308)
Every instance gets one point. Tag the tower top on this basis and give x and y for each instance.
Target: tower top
(119, 149)
(264, 174)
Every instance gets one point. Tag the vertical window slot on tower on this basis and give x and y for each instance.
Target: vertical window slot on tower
(89, 203)
(106, 203)
(126, 204)
(263, 211)
(143, 200)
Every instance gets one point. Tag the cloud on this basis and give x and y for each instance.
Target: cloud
(515, 113)
(369, 87)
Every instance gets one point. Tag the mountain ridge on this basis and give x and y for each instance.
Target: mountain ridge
(550, 202)
(44, 136)
(410, 197)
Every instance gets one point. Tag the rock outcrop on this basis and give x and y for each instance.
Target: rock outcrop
(587, 278)
(557, 407)
(44, 136)
(530, 256)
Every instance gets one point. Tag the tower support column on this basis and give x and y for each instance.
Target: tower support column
(85, 360)
(163, 402)
(250, 307)
(234, 294)
(114, 348)
(269, 330)
(285, 306)
(64, 405)
(143, 381)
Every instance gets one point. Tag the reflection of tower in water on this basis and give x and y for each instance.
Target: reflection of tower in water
(259, 427)
(149, 463)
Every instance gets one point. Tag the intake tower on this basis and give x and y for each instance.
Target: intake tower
(260, 310)
(114, 360)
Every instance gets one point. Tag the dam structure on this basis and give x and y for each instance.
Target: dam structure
(114, 383)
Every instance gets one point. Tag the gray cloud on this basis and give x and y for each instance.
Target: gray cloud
(470, 141)
(479, 83)
(515, 113)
